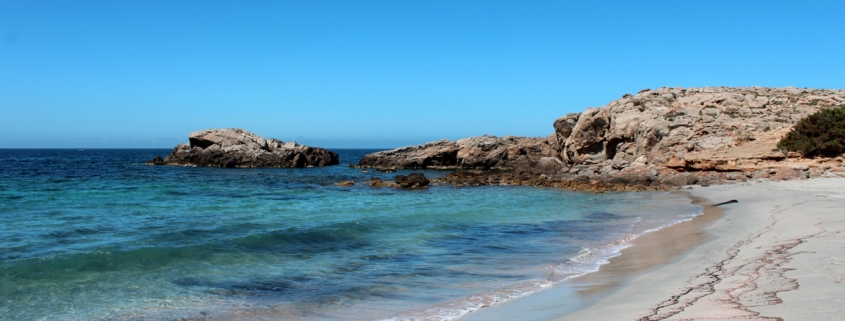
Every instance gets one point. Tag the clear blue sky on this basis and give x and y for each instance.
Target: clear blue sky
(379, 73)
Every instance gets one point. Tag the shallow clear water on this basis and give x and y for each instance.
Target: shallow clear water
(98, 235)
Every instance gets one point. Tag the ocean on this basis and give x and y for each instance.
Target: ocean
(99, 235)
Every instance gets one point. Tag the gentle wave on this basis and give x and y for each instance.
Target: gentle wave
(97, 235)
(588, 260)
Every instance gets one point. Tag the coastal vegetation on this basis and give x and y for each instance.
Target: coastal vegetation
(820, 134)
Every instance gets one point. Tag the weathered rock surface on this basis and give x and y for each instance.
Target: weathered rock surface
(345, 183)
(375, 181)
(240, 148)
(595, 184)
(484, 152)
(694, 128)
(413, 180)
(656, 139)
(156, 161)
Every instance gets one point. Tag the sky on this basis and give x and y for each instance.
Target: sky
(379, 74)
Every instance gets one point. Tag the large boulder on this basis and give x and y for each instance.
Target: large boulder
(551, 165)
(233, 147)
(563, 129)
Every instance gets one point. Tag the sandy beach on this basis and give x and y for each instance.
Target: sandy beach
(777, 254)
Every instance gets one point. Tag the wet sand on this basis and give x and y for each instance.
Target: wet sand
(777, 254)
(648, 251)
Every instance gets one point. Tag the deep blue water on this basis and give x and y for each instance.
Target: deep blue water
(97, 234)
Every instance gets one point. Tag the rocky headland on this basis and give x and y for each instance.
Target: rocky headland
(655, 139)
(233, 147)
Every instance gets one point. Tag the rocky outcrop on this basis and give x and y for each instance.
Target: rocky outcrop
(568, 182)
(716, 128)
(484, 152)
(413, 180)
(661, 138)
(240, 148)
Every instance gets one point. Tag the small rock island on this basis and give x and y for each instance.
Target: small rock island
(233, 147)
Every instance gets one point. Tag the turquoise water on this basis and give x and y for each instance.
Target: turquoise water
(98, 235)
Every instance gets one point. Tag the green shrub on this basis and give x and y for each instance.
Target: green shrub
(820, 134)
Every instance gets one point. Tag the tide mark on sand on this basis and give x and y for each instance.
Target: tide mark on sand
(760, 280)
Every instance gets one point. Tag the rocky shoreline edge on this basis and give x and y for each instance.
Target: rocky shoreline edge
(654, 140)
(658, 139)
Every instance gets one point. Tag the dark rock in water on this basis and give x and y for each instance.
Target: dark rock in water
(156, 161)
(472, 178)
(413, 180)
(385, 170)
(240, 148)
(375, 181)
(346, 183)
(625, 182)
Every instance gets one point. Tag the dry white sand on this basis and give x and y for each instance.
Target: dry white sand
(778, 254)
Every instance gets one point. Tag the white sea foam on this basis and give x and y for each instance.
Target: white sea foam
(587, 261)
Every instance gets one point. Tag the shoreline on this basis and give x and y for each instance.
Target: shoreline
(772, 256)
(647, 251)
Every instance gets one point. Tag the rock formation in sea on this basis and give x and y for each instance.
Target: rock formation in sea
(485, 152)
(233, 147)
(654, 139)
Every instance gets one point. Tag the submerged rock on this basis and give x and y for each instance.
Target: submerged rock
(413, 180)
(375, 181)
(233, 147)
(156, 161)
(346, 183)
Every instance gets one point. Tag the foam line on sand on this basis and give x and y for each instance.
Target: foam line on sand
(776, 254)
